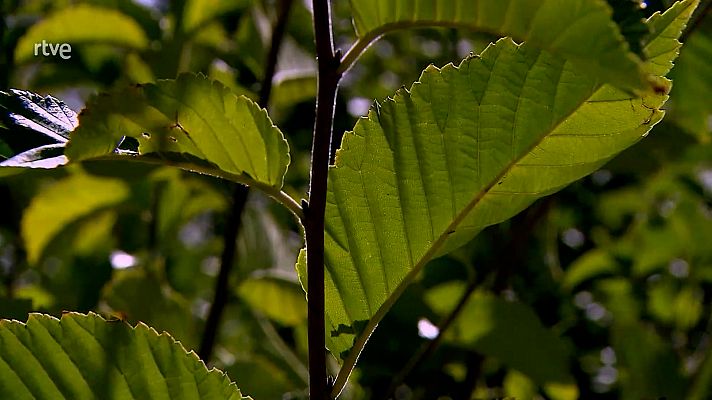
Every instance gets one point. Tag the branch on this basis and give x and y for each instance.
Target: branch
(328, 82)
(272, 56)
(428, 348)
(239, 199)
(227, 260)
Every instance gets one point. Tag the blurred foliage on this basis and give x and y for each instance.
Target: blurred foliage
(609, 291)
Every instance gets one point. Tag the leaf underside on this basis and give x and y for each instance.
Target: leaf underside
(33, 131)
(466, 147)
(86, 357)
(29, 120)
(581, 31)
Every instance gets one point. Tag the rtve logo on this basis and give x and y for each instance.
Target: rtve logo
(64, 50)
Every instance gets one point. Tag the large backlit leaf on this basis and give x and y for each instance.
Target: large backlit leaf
(78, 25)
(579, 30)
(64, 202)
(194, 122)
(466, 147)
(87, 357)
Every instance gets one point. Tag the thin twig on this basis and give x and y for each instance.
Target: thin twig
(328, 82)
(508, 257)
(286, 352)
(239, 199)
(428, 348)
(222, 287)
(272, 57)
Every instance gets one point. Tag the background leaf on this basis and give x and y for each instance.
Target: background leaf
(79, 25)
(508, 331)
(66, 201)
(279, 298)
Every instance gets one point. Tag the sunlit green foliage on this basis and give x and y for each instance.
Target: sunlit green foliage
(493, 186)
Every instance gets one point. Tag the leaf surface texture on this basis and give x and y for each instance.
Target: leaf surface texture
(466, 147)
(582, 31)
(86, 357)
(192, 121)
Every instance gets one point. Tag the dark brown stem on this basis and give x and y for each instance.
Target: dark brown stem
(239, 199)
(328, 82)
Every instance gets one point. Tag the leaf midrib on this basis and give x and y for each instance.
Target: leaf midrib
(361, 339)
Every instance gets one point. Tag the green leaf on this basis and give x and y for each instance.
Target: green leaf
(82, 24)
(192, 122)
(508, 331)
(648, 365)
(465, 148)
(199, 12)
(66, 201)
(662, 46)
(86, 357)
(591, 264)
(579, 30)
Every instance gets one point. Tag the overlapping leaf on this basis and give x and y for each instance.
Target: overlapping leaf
(87, 357)
(579, 30)
(82, 24)
(196, 122)
(466, 147)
